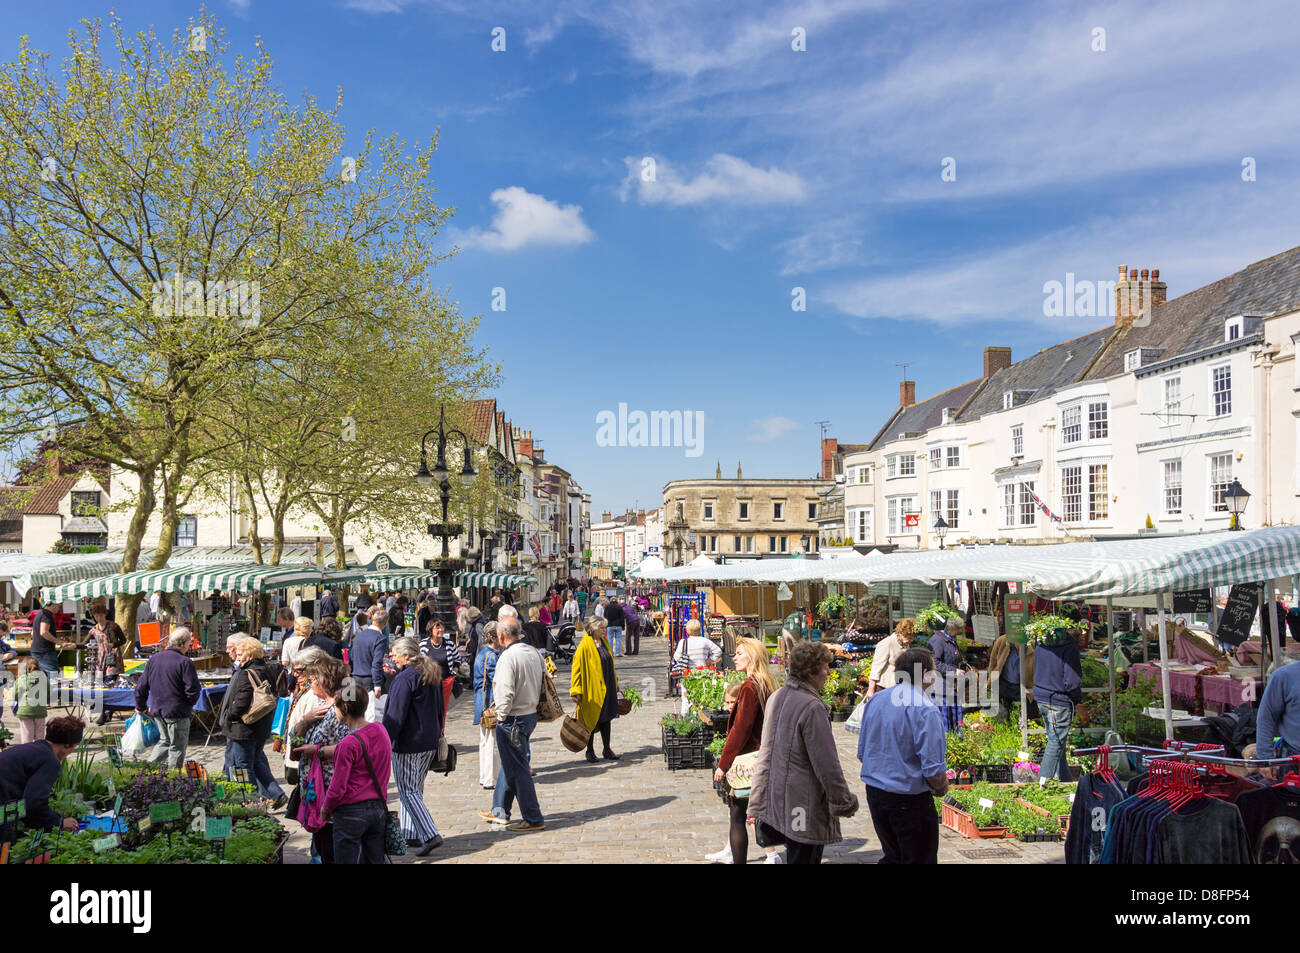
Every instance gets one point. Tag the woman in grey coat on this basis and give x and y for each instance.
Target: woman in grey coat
(798, 787)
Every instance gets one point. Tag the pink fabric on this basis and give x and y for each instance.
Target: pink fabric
(1192, 651)
(309, 811)
(351, 783)
(1226, 691)
(1249, 653)
(1182, 684)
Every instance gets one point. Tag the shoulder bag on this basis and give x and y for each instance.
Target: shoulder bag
(263, 702)
(394, 842)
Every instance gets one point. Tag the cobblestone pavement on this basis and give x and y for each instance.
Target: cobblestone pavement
(631, 811)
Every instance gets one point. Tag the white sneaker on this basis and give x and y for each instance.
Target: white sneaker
(721, 857)
(774, 858)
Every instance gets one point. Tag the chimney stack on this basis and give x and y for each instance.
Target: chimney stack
(1137, 292)
(907, 393)
(524, 442)
(830, 447)
(605, 516)
(996, 359)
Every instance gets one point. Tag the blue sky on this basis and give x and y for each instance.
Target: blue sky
(778, 169)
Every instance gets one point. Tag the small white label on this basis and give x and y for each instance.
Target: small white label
(1024, 756)
(986, 804)
(1071, 797)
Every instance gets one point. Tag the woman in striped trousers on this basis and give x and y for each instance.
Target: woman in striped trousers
(413, 718)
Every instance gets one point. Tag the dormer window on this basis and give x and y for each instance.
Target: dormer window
(1133, 359)
(1233, 328)
(1008, 399)
(947, 415)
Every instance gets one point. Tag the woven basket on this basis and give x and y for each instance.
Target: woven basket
(573, 734)
(624, 706)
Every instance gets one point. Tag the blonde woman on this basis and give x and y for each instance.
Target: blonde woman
(249, 741)
(302, 629)
(887, 653)
(744, 733)
(594, 687)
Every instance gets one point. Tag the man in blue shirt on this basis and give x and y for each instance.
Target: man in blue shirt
(903, 751)
(1279, 715)
(369, 646)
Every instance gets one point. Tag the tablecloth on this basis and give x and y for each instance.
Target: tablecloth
(1182, 684)
(1223, 691)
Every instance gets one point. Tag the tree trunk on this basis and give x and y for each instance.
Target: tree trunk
(254, 538)
(125, 607)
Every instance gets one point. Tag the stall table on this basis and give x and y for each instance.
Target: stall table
(1221, 691)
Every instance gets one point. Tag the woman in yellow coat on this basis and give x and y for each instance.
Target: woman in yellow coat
(594, 687)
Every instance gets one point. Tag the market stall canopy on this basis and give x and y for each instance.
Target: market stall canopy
(652, 567)
(1096, 570)
(702, 560)
(26, 571)
(490, 580)
(237, 577)
(396, 581)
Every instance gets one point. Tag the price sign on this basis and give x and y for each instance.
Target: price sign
(102, 844)
(166, 811)
(117, 805)
(114, 757)
(241, 775)
(1192, 600)
(144, 824)
(986, 804)
(1239, 613)
(1017, 612)
(217, 828)
(985, 629)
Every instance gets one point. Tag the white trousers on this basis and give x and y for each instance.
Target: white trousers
(488, 762)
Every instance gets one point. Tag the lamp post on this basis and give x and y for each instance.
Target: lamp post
(444, 601)
(1237, 498)
(940, 529)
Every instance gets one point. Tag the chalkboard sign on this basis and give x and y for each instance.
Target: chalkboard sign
(1192, 600)
(1239, 613)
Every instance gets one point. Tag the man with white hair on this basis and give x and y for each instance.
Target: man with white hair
(507, 611)
(168, 689)
(516, 688)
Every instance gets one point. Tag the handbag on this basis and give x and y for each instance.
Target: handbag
(549, 706)
(263, 702)
(574, 734)
(488, 719)
(445, 758)
(313, 795)
(740, 774)
(766, 835)
(394, 842)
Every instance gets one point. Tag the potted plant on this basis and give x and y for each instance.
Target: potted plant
(832, 607)
(933, 617)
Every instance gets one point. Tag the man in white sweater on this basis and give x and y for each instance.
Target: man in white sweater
(516, 688)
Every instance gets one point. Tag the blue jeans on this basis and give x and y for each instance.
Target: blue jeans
(1057, 720)
(48, 662)
(251, 756)
(359, 832)
(514, 779)
(616, 638)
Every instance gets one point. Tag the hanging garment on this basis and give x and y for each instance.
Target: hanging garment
(1271, 817)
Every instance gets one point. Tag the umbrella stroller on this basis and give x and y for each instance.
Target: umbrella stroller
(563, 644)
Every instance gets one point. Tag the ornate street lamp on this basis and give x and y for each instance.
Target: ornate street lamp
(940, 529)
(444, 601)
(1237, 498)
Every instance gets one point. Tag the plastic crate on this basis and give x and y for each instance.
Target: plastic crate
(954, 818)
(689, 758)
(1038, 838)
(989, 773)
(699, 738)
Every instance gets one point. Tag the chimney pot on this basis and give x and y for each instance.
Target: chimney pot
(1155, 274)
(1146, 274)
(1132, 271)
(1123, 272)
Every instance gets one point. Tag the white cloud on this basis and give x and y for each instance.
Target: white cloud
(772, 428)
(240, 7)
(524, 218)
(725, 178)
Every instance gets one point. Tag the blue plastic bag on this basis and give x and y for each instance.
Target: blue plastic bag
(148, 730)
(280, 723)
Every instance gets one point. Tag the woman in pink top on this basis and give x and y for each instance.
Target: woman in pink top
(357, 800)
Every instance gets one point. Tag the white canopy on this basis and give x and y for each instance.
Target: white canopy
(652, 567)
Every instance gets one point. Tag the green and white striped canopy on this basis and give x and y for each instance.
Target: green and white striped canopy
(27, 571)
(405, 580)
(1116, 568)
(490, 580)
(239, 577)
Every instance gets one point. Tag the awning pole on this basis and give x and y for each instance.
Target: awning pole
(1110, 654)
(1275, 647)
(1164, 665)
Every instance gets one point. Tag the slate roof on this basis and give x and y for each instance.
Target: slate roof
(1044, 373)
(925, 414)
(1194, 321)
